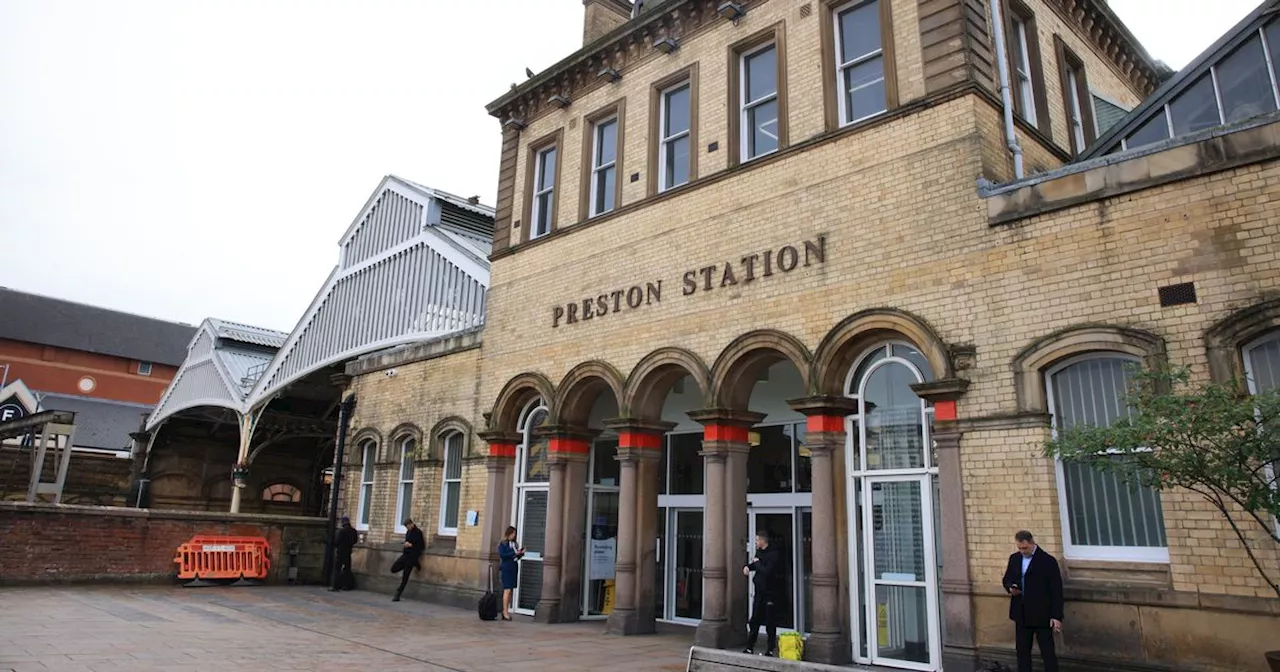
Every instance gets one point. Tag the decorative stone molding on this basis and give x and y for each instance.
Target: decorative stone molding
(515, 394)
(1030, 364)
(739, 365)
(1224, 340)
(646, 388)
(447, 426)
(576, 393)
(853, 335)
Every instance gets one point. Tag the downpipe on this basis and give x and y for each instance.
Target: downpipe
(1006, 96)
(344, 421)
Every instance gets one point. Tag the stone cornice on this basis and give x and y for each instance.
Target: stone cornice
(1109, 35)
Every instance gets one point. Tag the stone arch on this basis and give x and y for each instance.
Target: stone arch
(855, 334)
(175, 484)
(272, 482)
(1225, 338)
(513, 397)
(578, 390)
(734, 374)
(447, 426)
(357, 444)
(1031, 363)
(654, 375)
(402, 431)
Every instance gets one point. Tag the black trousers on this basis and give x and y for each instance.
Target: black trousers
(405, 564)
(1044, 638)
(342, 578)
(764, 611)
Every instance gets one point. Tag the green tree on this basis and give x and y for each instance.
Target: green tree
(1210, 439)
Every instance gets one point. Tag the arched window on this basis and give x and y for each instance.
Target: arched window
(369, 455)
(1262, 363)
(404, 493)
(282, 492)
(1104, 518)
(451, 489)
(530, 502)
(893, 425)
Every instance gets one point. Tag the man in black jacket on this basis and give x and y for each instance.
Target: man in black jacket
(1034, 584)
(343, 542)
(767, 565)
(414, 544)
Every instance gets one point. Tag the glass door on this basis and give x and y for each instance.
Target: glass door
(899, 579)
(600, 534)
(532, 531)
(685, 574)
(779, 526)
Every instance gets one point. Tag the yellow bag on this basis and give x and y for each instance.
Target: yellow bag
(790, 646)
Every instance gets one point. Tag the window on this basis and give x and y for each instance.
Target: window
(451, 490)
(1104, 518)
(404, 493)
(1020, 40)
(675, 135)
(604, 166)
(860, 61)
(1076, 98)
(144, 368)
(759, 102)
(369, 453)
(1245, 83)
(1262, 371)
(543, 176)
(282, 493)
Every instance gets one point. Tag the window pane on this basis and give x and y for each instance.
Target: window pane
(547, 172)
(1264, 366)
(762, 74)
(606, 142)
(606, 470)
(859, 31)
(769, 462)
(864, 86)
(604, 190)
(544, 213)
(366, 497)
(452, 492)
(406, 502)
(894, 429)
(1155, 130)
(406, 459)
(453, 456)
(677, 111)
(1195, 109)
(762, 123)
(806, 567)
(677, 168)
(686, 464)
(366, 470)
(533, 530)
(1245, 83)
(1273, 44)
(535, 470)
(804, 459)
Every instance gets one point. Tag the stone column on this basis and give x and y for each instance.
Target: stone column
(500, 467)
(639, 451)
(575, 518)
(565, 447)
(959, 647)
(724, 594)
(825, 437)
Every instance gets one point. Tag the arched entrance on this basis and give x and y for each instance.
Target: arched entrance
(532, 485)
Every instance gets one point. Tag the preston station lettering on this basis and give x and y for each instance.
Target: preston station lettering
(748, 269)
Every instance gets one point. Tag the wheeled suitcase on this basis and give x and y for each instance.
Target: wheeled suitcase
(488, 606)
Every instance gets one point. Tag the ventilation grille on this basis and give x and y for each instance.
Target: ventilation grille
(1177, 295)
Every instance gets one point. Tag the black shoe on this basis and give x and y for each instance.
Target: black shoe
(748, 651)
(772, 654)
(396, 598)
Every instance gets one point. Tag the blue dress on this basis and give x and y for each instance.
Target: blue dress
(510, 567)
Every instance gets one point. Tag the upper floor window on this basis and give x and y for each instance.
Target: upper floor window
(542, 216)
(144, 368)
(604, 166)
(860, 61)
(364, 506)
(404, 493)
(1104, 518)
(1020, 40)
(675, 138)
(1075, 97)
(451, 489)
(759, 107)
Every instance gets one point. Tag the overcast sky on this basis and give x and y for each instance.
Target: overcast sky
(184, 159)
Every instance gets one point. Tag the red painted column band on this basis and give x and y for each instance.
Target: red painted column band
(944, 410)
(501, 449)
(824, 423)
(714, 432)
(640, 440)
(560, 444)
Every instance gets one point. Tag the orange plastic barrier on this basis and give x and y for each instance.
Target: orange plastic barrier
(217, 557)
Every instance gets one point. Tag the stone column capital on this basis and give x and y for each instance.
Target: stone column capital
(725, 417)
(639, 426)
(824, 405)
(502, 445)
(943, 395)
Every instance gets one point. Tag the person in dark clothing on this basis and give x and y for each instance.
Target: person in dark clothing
(767, 565)
(1034, 583)
(343, 542)
(510, 553)
(414, 544)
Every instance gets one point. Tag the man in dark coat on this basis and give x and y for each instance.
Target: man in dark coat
(343, 542)
(1034, 583)
(768, 600)
(414, 544)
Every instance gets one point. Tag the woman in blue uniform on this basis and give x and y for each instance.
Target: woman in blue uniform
(510, 553)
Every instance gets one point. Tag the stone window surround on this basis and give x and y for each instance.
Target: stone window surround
(775, 34)
(1016, 8)
(832, 85)
(398, 440)
(656, 91)
(616, 111)
(554, 139)
(1069, 62)
(1226, 339)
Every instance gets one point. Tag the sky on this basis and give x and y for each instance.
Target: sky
(185, 159)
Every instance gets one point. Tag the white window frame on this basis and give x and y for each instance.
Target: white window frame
(1070, 550)
(144, 368)
(666, 139)
(1251, 381)
(1022, 69)
(369, 455)
(842, 95)
(1075, 113)
(406, 447)
(599, 170)
(745, 106)
(539, 163)
(451, 435)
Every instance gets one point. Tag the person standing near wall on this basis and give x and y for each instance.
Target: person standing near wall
(343, 543)
(1034, 583)
(767, 565)
(510, 554)
(414, 545)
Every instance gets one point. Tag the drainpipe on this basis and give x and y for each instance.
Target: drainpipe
(1002, 65)
(344, 420)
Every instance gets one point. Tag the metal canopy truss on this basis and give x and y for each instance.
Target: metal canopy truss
(413, 266)
(56, 430)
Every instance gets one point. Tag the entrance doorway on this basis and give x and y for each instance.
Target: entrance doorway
(778, 526)
(532, 489)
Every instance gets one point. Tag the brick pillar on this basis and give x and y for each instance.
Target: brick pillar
(724, 593)
(825, 437)
(959, 644)
(567, 453)
(639, 451)
(500, 464)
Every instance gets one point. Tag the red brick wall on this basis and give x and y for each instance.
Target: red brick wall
(59, 370)
(41, 543)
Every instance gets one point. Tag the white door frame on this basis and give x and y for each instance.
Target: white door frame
(794, 561)
(670, 582)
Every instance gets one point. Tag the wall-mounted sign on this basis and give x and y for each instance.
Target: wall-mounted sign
(753, 267)
(9, 410)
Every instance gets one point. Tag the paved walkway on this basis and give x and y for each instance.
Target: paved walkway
(296, 628)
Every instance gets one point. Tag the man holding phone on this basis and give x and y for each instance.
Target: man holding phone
(1034, 584)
